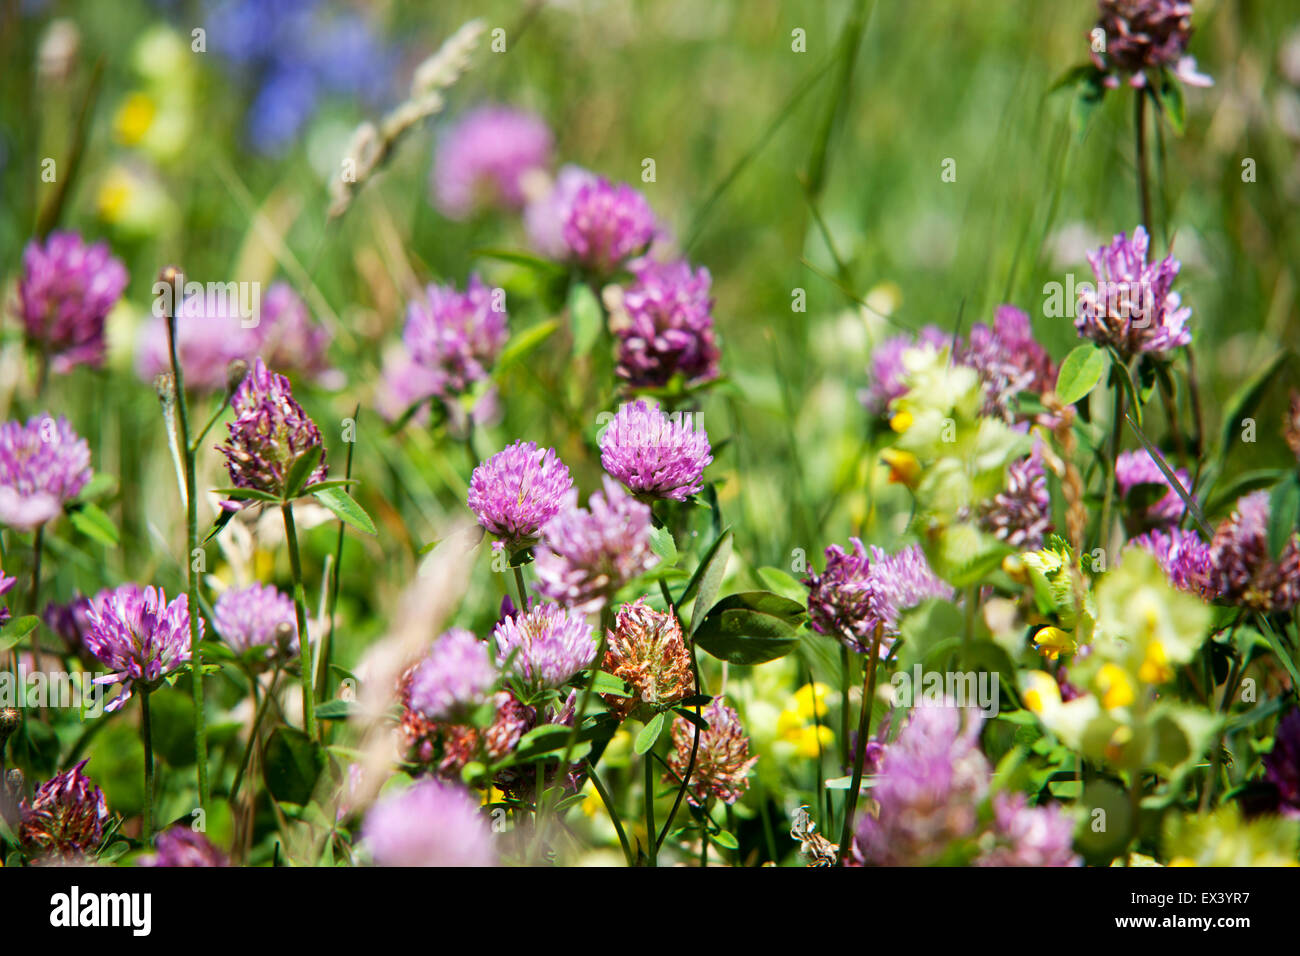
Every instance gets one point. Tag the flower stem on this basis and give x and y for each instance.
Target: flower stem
(652, 845)
(1140, 132)
(33, 598)
(300, 607)
(522, 589)
(695, 742)
(146, 737)
(860, 751)
(172, 276)
(254, 732)
(1112, 476)
(323, 676)
(613, 814)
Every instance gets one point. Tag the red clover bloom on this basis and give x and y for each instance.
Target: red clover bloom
(654, 454)
(1144, 35)
(516, 491)
(665, 326)
(257, 616)
(430, 823)
(65, 817)
(1241, 570)
(180, 846)
(139, 636)
(1029, 836)
(484, 158)
(928, 791)
(722, 760)
(857, 593)
(455, 677)
(1134, 468)
(1133, 307)
(546, 645)
(885, 374)
(270, 432)
(647, 651)
(43, 465)
(607, 224)
(456, 335)
(587, 554)
(65, 293)
(1021, 514)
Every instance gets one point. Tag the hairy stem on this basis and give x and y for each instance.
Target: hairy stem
(300, 607)
(172, 277)
(146, 737)
(860, 751)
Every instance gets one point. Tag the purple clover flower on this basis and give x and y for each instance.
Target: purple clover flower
(404, 382)
(1241, 569)
(654, 454)
(857, 593)
(930, 785)
(483, 159)
(1282, 763)
(179, 846)
(665, 326)
(430, 823)
(722, 760)
(43, 465)
(287, 337)
(1182, 555)
(587, 554)
(545, 216)
(1133, 307)
(65, 817)
(270, 432)
(546, 645)
(65, 293)
(1144, 35)
(1134, 468)
(70, 621)
(1029, 836)
(211, 334)
(257, 616)
(139, 636)
(456, 335)
(456, 676)
(885, 372)
(6, 583)
(1009, 360)
(1021, 514)
(517, 491)
(607, 224)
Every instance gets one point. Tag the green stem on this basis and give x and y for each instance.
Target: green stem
(860, 751)
(323, 678)
(146, 737)
(521, 588)
(1117, 426)
(192, 545)
(33, 598)
(695, 742)
(653, 847)
(300, 607)
(613, 814)
(1140, 132)
(263, 706)
(845, 670)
